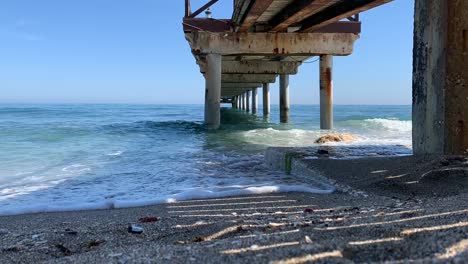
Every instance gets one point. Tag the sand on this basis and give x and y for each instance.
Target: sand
(420, 217)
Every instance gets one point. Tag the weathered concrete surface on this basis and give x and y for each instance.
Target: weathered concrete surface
(326, 92)
(284, 98)
(240, 85)
(228, 43)
(249, 78)
(213, 92)
(440, 76)
(256, 67)
(228, 93)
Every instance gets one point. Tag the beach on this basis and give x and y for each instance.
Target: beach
(377, 218)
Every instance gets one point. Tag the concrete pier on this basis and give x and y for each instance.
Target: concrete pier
(326, 92)
(284, 98)
(266, 99)
(213, 91)
(264, 39)
(254, 101)
(247, 101)
(440, 77)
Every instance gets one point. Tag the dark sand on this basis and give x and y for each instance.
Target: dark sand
(412, 209)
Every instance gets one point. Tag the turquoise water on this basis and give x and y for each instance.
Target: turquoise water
(68, 157)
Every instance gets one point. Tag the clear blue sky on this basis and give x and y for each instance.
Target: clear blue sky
(120, 51)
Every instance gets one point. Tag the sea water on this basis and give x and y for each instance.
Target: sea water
(75, 157)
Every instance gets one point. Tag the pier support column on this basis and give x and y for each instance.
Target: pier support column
(284, 98)
(326, 92)
(242, 101)
(237, 102)
(247, 101)
(266, 99)
(254, 101)
(440, 77)
(213, 91)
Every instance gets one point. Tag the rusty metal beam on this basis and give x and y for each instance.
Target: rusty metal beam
(341, 27)
(188, 10)
(255, 11)
(296, 12)
(337, 12)
(203, 8)
(240, 8)
(203, 24)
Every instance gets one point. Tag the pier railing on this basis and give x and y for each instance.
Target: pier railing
(188, 10)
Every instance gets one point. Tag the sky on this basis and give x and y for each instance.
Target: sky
(120, 51)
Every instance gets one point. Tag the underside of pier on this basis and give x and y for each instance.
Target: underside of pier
(265, 39)
(270, 38)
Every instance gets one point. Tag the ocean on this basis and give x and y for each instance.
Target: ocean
(79, 157)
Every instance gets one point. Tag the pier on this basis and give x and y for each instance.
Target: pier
(267, 39)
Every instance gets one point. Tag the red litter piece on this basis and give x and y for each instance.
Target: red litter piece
(148, 219)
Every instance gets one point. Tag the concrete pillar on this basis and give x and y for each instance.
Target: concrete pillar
(213, 91)
(247, 101)
(284, 98)
(254, 101)
(242, 96)
(237, 102)
(326, 92)
(440, 77)
(266, 99)
(233, 102)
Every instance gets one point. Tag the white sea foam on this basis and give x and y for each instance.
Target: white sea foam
(116, 153)
(76, 205)
(392, 125)
(76, 168)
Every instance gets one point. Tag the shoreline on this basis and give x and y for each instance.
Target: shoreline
(389, 223)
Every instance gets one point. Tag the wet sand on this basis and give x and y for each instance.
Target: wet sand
(421, 216)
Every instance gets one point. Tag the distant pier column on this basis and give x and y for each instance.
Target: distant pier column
(266, 99)
(247, 101)
(284, 98)
(326, 92)
(213, 91)
(254, 101)
(237, 102)
(242, 101)
(233, 102)
(440, 77)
